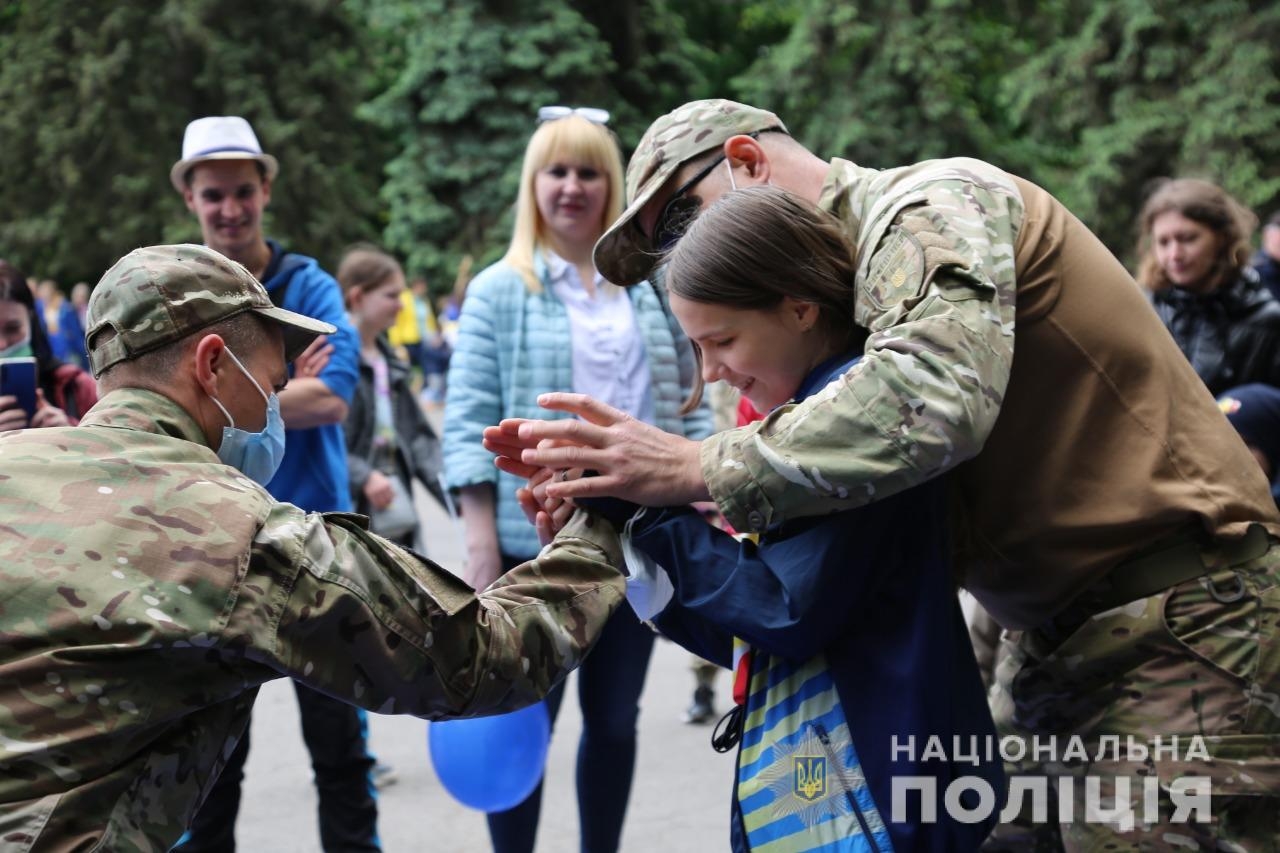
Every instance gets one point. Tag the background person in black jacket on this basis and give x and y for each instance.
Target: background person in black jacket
(389, 441)
(1195, 261)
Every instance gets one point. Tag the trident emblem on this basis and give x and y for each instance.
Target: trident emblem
(810, 776)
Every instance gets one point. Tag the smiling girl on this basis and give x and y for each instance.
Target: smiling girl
(844, 631)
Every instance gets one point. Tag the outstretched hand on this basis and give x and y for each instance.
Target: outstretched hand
(631, 459)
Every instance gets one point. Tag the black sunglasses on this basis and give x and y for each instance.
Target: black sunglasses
(681, 209)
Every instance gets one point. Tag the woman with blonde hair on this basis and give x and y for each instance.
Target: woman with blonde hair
(1194, 246)
(543, 319)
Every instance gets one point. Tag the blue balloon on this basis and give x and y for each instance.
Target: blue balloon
(491, 763)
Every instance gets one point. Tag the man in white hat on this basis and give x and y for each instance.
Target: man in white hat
(230, 192)
(226, 178)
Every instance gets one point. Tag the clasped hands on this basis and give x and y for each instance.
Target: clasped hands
(629, 458)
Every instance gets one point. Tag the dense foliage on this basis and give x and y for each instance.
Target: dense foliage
(403, 121)
(94, 97)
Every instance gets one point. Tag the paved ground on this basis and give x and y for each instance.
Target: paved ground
(679, 802)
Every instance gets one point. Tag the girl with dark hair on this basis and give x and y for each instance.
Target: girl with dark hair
(65, 392)
(844, 632)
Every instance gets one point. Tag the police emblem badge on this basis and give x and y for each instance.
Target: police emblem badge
(811, 778)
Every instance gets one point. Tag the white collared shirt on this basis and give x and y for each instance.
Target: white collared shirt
(609, 360)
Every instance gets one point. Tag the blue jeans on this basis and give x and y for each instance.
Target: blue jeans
(610, 682)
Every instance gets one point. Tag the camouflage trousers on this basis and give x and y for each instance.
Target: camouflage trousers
(1199, 661)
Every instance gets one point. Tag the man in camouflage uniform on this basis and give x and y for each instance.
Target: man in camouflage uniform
(149, 588)
(1104, 511)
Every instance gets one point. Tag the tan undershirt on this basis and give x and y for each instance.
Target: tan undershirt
(1077, 473)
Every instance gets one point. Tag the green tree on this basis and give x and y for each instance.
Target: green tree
(655, 62)
(1132, 90)
(406, 120)
(1091, 100)
(94, 97)
(887, 83)
(463, 100)
(732, 36)
(666, 52)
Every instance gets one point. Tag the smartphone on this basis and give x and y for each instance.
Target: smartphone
(18, 379)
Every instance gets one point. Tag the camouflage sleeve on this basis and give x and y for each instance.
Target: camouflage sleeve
(938, 299)
(371, 623)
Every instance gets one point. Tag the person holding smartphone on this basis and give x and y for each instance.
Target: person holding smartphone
(64, 392)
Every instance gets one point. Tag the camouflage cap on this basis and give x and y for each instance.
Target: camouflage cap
(623, 255)
(159, 294)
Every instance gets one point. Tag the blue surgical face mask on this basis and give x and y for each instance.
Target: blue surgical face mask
(22, 349)
(257, 454)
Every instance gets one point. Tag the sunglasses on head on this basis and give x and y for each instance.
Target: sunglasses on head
(595, 115)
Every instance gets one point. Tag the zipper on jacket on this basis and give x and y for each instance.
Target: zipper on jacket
(848, 793)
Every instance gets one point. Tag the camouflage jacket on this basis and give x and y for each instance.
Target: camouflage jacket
(149, 590)
(1096, 442)
(935, 286)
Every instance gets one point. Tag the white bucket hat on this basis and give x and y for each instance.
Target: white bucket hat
(219, 138)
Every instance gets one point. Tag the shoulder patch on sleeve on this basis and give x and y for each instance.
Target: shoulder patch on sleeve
(896, 271)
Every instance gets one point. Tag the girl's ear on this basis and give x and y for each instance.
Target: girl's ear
(805, 314)
(353, 298)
